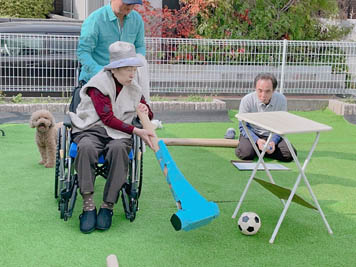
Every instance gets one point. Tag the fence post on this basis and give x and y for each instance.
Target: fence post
(281, 86)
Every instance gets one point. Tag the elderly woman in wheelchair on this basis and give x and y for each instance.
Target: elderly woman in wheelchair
(101, 125)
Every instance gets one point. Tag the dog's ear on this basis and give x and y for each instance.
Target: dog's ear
(32, 122)
(53, 121)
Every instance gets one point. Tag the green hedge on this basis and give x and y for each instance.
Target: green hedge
(25, 8)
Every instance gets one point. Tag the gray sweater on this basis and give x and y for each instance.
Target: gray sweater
(250, 103)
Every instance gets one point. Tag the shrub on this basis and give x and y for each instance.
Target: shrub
(241, 19)
(25, 8)
(17, 99)
(269, 20)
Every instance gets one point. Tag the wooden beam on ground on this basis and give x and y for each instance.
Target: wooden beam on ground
(200, 142)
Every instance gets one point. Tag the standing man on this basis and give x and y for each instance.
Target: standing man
(264, 99)
(116, 21)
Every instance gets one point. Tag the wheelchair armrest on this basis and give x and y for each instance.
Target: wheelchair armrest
(67, 121)
(137, 123)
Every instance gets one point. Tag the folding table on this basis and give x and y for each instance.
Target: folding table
(282, 123)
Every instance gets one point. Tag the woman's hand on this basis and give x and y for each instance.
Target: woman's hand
(145, 135)
(143, 108)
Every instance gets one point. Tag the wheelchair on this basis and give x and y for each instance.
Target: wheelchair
(66, 178)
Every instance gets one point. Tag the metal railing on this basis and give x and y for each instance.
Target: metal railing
(229, 66)
(46, 63)
(37, 63)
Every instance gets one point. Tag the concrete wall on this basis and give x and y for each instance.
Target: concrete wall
(293, 104)
(83, 8)
(341, 107)
(338, 107)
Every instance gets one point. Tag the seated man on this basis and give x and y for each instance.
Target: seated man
(101, 125)
(264, 99)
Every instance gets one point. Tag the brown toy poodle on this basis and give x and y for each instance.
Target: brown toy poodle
(46, 136)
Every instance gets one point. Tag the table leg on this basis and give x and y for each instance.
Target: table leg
(260, 161)
(259, 154)
(301, 174)
(302, 169)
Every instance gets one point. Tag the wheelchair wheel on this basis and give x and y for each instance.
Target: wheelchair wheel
(62, 205)
(56, 171)
(67, 179)
(132, 189)
(68, 198)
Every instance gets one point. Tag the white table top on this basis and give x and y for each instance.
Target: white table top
(282, 122)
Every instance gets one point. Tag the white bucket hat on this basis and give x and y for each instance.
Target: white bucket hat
(123, 54)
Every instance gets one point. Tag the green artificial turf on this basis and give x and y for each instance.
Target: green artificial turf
(32, 234)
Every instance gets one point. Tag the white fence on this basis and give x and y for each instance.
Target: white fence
(45, 63)
(229, 66)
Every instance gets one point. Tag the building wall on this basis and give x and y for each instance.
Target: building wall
(347, 9)
(81, 9)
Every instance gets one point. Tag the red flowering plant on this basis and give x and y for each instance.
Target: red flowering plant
(231, 19)
(171, 23)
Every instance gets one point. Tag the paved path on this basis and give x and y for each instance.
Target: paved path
(165, 117)
(350, 118)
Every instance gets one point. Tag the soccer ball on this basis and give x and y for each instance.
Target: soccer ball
(249, 223)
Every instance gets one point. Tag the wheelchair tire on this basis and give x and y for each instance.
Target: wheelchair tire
(61, 206)
(64, 179)
(133, 208)
(139, 189)
(132, 189)
(56, 171)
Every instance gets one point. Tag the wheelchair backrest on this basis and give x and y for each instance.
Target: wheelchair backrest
(75, 93)
(75, 99)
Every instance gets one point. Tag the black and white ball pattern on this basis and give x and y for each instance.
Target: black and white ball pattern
(249, 223)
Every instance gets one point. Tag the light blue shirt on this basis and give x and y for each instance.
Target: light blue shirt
(250, 103)
(99, 31)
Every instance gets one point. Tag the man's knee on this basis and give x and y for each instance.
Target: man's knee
(244, 149)
(286, 155)
(245, 153)
(286, 158)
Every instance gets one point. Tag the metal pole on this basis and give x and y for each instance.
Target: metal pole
(281, 87)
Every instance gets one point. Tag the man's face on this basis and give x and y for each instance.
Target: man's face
(120, 8)
(124, 75)
(126, 9)
(264, 90)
